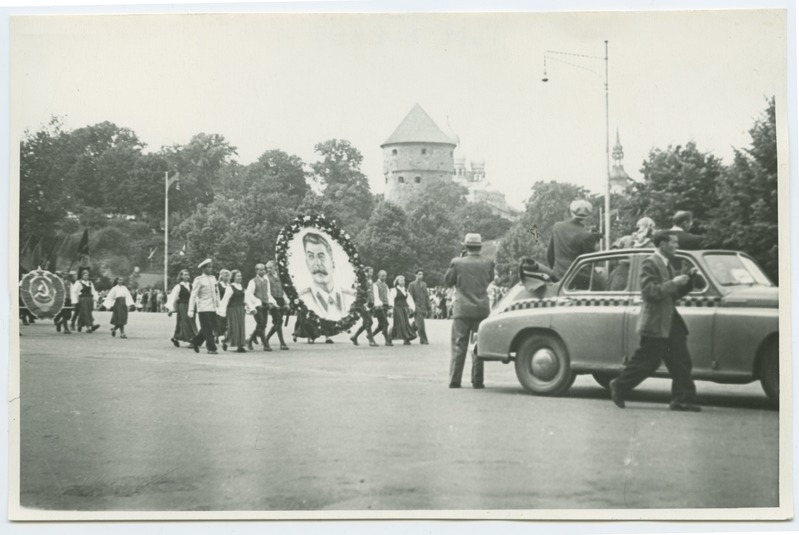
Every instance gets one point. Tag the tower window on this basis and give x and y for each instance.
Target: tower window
(393, 152)
(401, 180)
(424, 151)
(418, 179)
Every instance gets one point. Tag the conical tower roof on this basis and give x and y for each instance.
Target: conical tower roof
(418, 127)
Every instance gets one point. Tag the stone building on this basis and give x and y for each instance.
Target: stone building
(419, 151)
(619, 179)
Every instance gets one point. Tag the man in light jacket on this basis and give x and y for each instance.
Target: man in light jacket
(205, 300)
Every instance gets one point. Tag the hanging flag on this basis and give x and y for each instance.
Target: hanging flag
(183, 250)
(43, 293)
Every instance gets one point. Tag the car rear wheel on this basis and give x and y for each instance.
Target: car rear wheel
(770, 372)
(542, 365)
(603, 379)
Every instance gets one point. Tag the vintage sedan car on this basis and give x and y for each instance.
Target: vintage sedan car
(586, 323)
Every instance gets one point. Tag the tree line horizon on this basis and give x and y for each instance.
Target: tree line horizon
(232, 213)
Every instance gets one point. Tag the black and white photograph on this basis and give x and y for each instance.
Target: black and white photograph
(495, 265)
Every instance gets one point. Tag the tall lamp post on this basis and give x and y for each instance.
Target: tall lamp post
(167, 183)
(563, 57)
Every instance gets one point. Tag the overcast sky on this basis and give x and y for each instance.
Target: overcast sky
(268, 81)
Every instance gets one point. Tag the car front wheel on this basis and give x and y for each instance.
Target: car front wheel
(542, 365)
(770, 373)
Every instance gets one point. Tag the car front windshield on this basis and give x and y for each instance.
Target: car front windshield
(736, 270)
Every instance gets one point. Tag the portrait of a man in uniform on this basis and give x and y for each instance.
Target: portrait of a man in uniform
(324, 297)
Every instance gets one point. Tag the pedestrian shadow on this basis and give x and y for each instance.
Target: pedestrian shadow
(660, 397)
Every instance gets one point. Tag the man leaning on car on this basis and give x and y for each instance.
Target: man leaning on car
(663, 332)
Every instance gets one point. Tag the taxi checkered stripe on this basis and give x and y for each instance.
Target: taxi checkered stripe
(604, 301)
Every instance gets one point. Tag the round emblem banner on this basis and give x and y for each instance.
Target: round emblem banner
(321, 274)
(43, 293)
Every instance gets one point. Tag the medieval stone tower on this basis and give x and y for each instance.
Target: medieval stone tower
(416, 153)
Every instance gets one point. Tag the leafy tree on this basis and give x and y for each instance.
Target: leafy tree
(202, 166)
(345, 193)
(678, 178)
(745, 216)
(384, 242)
(435, 228)
(517, 242)
(480, 218)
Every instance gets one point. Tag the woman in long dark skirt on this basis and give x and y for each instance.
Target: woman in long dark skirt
(403, 304)
(232, 308)
(304, 329)
(185, 328)
(118, 301)
(84, 294)
(222, 286)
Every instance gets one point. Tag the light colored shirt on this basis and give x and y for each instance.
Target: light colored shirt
(116, 292)
(250, 293)
(204, 295)
(409, 299)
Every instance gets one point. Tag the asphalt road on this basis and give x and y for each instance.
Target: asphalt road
(136, 424)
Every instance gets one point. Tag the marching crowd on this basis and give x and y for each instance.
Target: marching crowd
(221, 305)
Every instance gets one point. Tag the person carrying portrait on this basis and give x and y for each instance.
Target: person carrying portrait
(84, 294)
(119, 301)
(280, 308)
(178, 303)
(62, 318)
(366, 310)
(204, 300)
(664, 335)
(258, 289)
(417, 290)
(470, 276)
(570, 239)
(382, 306)
(404, 307)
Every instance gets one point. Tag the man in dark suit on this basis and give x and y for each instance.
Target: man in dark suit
(664, 335)
(470, 274)
(570, 239)
(683, 222)
(418, 291)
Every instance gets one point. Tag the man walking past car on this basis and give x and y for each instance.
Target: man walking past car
(470, 274)
(664, 335)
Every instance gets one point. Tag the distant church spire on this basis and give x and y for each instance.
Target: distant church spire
(619, 179)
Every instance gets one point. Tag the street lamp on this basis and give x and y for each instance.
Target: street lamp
(167, 183)
(561, 57)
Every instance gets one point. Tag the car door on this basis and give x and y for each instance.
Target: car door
(590, 311)
(698, 310)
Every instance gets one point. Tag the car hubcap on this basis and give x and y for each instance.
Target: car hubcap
(545, 364)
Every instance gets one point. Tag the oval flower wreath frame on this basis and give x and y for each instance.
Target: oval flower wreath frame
(323, 326)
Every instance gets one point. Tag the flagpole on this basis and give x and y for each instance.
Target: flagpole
(167, 182)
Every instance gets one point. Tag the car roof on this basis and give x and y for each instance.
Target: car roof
(651, 251)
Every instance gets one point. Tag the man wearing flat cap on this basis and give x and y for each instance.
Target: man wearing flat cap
(470, 274)
(570, 239)
(205, 299)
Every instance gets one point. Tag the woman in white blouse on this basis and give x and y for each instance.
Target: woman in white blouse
(402, 302)
(118, 300)
(84, 294)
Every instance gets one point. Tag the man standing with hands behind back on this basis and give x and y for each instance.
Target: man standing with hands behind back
(664, 335)
(470, 274)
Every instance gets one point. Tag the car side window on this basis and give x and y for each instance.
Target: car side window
(601, 275)
(682, 266)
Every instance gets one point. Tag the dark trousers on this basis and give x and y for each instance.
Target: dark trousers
(366, 324)
(207, 328)
(382, 324)
(64, 314)
(276, 313)
(261, 316)
(462, 328)
(418, 318)
(646, 359)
